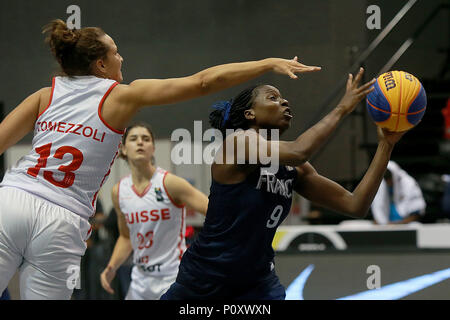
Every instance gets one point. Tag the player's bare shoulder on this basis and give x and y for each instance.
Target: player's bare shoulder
(118, 108)
(45, 95)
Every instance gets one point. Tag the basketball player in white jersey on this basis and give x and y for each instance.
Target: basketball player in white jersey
(150, 205)
(78, 123)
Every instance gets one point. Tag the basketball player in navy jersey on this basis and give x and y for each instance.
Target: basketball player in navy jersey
(232, 258)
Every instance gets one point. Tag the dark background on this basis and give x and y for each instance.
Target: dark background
(160, 39)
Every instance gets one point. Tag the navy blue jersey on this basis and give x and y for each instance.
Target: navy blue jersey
(235, 243)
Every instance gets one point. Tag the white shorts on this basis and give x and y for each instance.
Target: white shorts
(146, 287)
(44, 241)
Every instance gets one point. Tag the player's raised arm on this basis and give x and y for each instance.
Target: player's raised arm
(126, 100)
(21, 120)
(150, 92)
(329, 194)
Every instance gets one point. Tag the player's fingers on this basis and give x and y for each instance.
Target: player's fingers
(108, 288)
(291, 74)
(369, 90)
(366, 85)
(311, 69)
(105, 284)
(349, 81)
(295, 58)
(365, 93)
(304, 68)
(358, 77)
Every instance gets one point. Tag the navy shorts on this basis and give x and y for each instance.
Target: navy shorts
(188, 287)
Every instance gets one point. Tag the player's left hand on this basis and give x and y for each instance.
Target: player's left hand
(389, 136)
(106, 277)
(291, 67)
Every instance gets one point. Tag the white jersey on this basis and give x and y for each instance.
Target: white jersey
(157, 225)
(73, 148)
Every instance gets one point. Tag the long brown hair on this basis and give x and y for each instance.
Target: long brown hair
(75, 50)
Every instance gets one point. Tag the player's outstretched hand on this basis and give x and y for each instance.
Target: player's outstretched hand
(106, 277)
(389, 137)
(291, 67)
(355, 93)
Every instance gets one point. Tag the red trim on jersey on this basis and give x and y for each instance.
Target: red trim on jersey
(170, 198)
(181, 234)
(118, 192)
(118, 189)
(104, 178)
(100, 109)
(51, 98)
(88, 233)
(140, 195)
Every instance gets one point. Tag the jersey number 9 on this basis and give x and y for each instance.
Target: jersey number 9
(275, 217)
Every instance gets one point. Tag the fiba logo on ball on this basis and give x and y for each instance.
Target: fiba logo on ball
(398, 102)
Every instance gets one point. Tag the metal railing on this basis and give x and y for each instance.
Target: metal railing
(408, 42)
(362, 60)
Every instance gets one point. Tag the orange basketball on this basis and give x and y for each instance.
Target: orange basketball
(398, 102)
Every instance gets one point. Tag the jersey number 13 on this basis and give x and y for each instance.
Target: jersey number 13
(69, 175)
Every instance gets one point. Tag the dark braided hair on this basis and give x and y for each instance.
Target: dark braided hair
(234, 117)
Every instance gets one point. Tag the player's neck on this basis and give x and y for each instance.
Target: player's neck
(141, 174)
(266, 133)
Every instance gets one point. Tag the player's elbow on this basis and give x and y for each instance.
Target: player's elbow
(300, 156)
(362, 214)
(207, 84)
(203, 85)
(354, 207)
(303, 152)
(358, 213)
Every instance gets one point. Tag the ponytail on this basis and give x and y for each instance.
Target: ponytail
(75, 50)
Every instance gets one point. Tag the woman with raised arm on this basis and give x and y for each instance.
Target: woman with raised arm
(78, 124)
(232, 257)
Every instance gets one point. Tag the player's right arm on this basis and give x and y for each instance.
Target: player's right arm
(297, 152)
(329, 194)
(21, 120)
(126, 100)
(122, 249)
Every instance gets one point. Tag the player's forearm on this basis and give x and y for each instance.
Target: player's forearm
(227, 75)
(311, 140)
(366, 190)
(121, 252)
